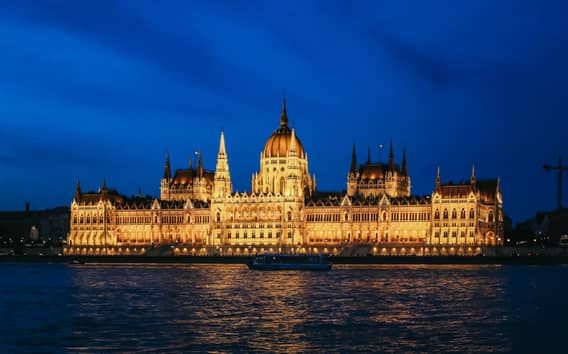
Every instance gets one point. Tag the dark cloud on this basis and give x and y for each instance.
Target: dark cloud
(456, 81)
(412, 60)
(185, 58)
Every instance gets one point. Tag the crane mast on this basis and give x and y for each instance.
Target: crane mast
(560, 169)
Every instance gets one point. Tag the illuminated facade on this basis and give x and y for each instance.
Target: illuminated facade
(198, 212)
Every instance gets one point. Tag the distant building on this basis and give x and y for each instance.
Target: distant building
(35, 224)
(545, 228)
(198, 211)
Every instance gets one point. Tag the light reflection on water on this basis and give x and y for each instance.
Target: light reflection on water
(230, 308)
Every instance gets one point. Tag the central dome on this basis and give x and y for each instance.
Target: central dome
(279, 142)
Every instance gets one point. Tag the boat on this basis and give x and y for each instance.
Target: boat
(77, 261)
(563, 241)
(290, 262)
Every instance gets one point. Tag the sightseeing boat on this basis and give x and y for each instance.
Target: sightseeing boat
(290, 262)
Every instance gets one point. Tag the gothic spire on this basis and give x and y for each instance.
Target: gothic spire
(104, 191)
(222, 163)
(391, 158)
(292, 149)
(353, 160)
(167, 168)
(404, 164)
(498, 188)
(472, 178)
(200, 165)
(438, 178)
(222, 184)
(78, 190)
(222, 149)
(284, 114)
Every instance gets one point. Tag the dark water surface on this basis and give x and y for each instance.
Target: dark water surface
(228, 308)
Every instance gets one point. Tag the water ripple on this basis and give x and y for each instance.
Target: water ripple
(228, 308)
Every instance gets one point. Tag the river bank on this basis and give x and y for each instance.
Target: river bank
(521, 260)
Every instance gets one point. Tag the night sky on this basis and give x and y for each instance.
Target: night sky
(102, 88)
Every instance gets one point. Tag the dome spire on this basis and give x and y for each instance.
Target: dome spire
(284, 114)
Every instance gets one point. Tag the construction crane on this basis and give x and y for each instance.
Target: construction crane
(560, 170)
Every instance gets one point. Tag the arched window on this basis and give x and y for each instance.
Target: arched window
(282, 185)
(491, 217)
(384, 216)
(445, 213)
(289, 215)
(462, 214)
(218, 217)
(437, 214)
(471, 214)
(454, 214)
(345, 216)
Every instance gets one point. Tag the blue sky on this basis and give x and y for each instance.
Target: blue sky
(104, 88)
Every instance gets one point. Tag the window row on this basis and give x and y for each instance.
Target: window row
(253, 234)
(454, 214)
(94, 219)
(454, 234)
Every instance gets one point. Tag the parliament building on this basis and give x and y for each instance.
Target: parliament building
(198, 213)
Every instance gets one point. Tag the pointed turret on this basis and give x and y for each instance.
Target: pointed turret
(438, 180)
(498, 187)
(472, 179)
(391, 158)
(353, 160)
(104, 190)
(222, 149)
(404, 164)
(284, 114)
(200, 165)
(77, 196)
(222, 184)
(165, 182)
(222, 161)
(292, 149)
(167, 168)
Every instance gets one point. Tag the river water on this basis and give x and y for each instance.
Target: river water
(228, 308)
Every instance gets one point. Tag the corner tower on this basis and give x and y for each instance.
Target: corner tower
(222, 183)
(166, 179)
